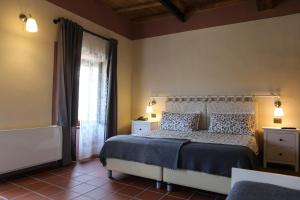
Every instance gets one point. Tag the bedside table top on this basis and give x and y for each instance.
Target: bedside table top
(142, 122)
(279, 129)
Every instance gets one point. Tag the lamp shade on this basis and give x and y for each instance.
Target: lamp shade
(31, 25)
(149, 109)
(278, 112)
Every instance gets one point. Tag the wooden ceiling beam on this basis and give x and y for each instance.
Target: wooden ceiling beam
(151, 17)
(173, 9)
(266, 4)
(141, 6)
(211, 5)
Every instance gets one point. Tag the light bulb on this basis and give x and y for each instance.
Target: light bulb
(278, 112)
(149, 109)
(31, 25)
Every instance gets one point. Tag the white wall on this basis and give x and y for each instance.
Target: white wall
(247, 58)
(26, 65)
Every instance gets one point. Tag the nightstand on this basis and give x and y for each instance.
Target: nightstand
(281, 146)
(141, 127)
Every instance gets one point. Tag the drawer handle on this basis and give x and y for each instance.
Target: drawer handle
(280, 154)
(140, 129)
(280, 139)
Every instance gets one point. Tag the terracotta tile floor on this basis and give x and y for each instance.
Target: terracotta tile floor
(88, 181)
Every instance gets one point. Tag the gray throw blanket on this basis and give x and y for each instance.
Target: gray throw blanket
(247, 190)
(153, 151)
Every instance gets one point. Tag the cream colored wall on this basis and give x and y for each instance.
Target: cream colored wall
(255, 57)
(246, 58)
(26, 65)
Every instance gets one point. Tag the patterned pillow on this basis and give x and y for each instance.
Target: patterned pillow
(239, 123)
(180, 121)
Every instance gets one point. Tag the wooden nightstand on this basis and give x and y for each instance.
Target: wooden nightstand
(140, 127)
(281, 146)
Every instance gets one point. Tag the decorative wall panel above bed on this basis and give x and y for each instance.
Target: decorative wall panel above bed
(210, 104)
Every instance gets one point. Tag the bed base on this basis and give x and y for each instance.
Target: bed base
(134, 168)
(199, 180)
(158, 184)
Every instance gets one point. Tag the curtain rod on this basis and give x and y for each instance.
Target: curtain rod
(56, 21)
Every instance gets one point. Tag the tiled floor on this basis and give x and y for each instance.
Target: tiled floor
(88, 181)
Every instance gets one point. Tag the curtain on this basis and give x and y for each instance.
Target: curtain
(92, 95)
(67, 83)
(112, 100)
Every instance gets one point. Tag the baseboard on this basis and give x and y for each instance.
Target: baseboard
(34, 169)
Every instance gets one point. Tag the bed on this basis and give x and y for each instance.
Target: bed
(195, 159)
(252, 185)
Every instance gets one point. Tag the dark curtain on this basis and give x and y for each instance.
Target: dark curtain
(67, 85)
(112, 97)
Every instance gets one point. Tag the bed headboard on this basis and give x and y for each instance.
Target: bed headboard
(206, 105)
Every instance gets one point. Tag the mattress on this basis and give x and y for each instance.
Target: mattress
(215, 155)
(204, 136)
(216, 159)
(153, 151)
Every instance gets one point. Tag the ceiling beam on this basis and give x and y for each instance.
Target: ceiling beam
(173, 9)
(266, 4)
(151, 17)
(200, 6)
(141, 6)
(215, 4)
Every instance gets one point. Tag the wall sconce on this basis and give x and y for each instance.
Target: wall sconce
(30, 23)
(278, 112)
(149, 108)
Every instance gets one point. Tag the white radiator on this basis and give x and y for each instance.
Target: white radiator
(23, 148)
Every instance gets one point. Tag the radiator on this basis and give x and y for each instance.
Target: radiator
(24, 148)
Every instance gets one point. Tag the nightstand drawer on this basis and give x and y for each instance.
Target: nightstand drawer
(281, 154)
(141, 128)
(282, 140)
